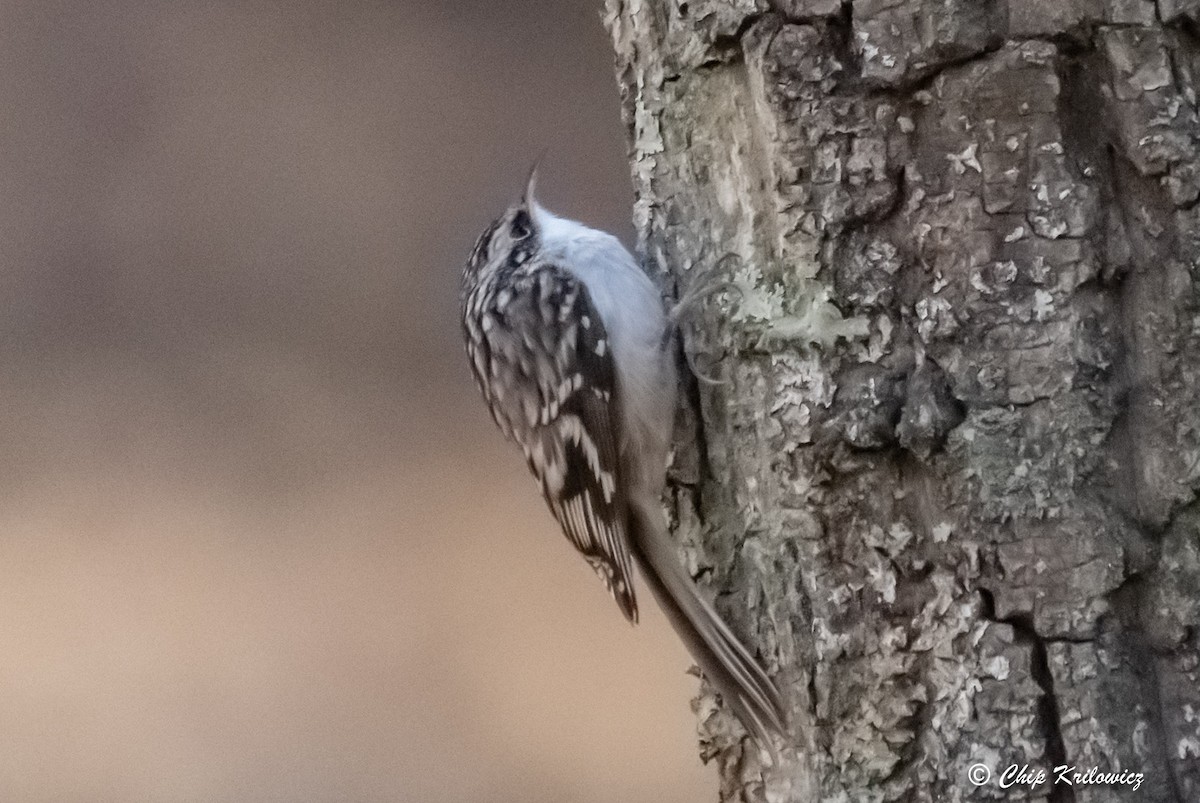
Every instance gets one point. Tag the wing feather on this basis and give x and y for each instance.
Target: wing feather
(556, 400)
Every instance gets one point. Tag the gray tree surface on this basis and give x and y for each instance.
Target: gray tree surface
(949, 487)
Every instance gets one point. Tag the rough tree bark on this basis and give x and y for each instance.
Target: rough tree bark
(949, 489)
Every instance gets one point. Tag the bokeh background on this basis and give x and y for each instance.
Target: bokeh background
(258, 538)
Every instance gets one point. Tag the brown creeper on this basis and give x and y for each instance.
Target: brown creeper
(569, 343)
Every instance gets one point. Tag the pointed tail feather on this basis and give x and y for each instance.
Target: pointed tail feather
(729, 666)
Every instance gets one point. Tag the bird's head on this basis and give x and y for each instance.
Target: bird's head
(511, 239)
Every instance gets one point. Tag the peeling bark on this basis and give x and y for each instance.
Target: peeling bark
(949, 486)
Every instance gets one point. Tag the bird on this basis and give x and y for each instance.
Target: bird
(570, 344)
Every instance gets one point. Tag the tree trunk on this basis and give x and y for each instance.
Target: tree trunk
(948, 489)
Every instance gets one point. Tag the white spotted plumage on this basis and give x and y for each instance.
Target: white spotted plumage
(567, 339)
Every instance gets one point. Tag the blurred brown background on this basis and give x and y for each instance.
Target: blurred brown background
(258, 538)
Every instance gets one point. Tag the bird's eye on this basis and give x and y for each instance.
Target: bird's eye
(522, 226)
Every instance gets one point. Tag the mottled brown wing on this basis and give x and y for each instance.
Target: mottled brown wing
(543, 361)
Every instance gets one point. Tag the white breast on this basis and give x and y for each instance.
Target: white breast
(631, 310)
